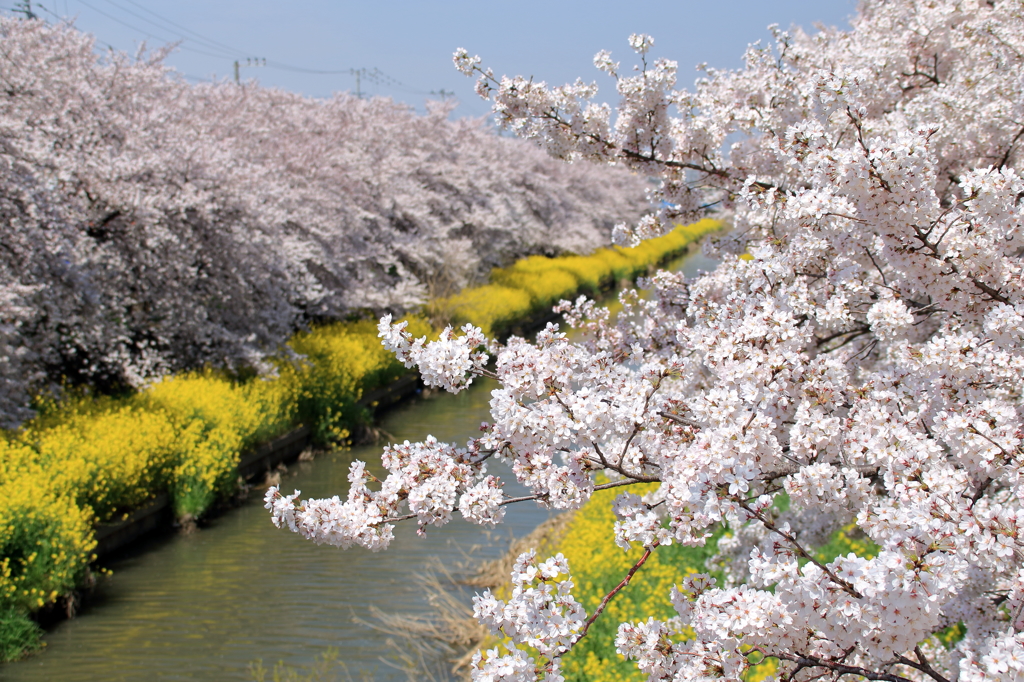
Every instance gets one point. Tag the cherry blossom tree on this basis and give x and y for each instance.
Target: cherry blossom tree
(856, 358)
(149, 225)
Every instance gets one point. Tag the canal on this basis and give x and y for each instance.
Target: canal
(206, 606)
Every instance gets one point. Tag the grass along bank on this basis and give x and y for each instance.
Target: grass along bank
(87, 460)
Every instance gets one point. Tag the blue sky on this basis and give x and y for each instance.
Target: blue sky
(410, 43)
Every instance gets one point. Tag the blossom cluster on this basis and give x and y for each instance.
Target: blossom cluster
(854, 361)
(152, 226)
(448, 362)
(541, 613)
(431, 478)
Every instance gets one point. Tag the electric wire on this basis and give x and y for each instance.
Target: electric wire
(228, 53)
(375, 75)
(148, 34)
(210, 42)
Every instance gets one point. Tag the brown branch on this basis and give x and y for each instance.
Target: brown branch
(636, 156)
(618, 588)
(877, 266)
(526, 498)
(857, 124)
(973, 429)
(788, 537)
(922, 665)
(980, 492)
(680, 420)
(994, 294)
(637, 427)
(1009, 150)
(604, 460)
(854, 335)
(857, 331)
(841, 668)
(603, 486)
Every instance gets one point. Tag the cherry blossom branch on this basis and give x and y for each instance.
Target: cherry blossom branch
(617, 468)
(636, 156)
(680, 420)
(527, 498)
(770, 525)
(857, 331)
(637, 427)
(972, 429)
(618, 588)
(603, 486)
(933, 251)
(922, 665)
(807, 661)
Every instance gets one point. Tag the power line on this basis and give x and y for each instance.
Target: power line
(373, 75)
(150, 21)
(148, 34)
(210, 42)
(43, 7)
(215, 44)
(65, 19)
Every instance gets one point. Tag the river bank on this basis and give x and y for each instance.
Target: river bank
(205, 606)
(287, 447)
(366, 401)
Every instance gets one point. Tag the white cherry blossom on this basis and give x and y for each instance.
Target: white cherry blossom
(151, 226)
(854, 362)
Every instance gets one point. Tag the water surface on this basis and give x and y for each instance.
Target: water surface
(205, 606)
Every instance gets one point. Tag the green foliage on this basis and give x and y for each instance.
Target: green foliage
(46, 542)
(19, 635)
(597, 566)
(849, 539)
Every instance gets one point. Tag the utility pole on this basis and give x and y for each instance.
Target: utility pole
(249, 61)
(443, 94)
(25, 7)
(373, 75)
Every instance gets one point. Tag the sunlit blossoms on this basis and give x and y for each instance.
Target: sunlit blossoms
(541, 613)
(854, 362)
(150, 226)
(448, 362)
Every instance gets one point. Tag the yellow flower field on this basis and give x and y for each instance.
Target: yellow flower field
(534, 284)
(87, 460)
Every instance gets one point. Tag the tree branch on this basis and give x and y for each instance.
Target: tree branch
(841, 668)
(618, 588)
(922, 664)
(526, 498)
(788, 537)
